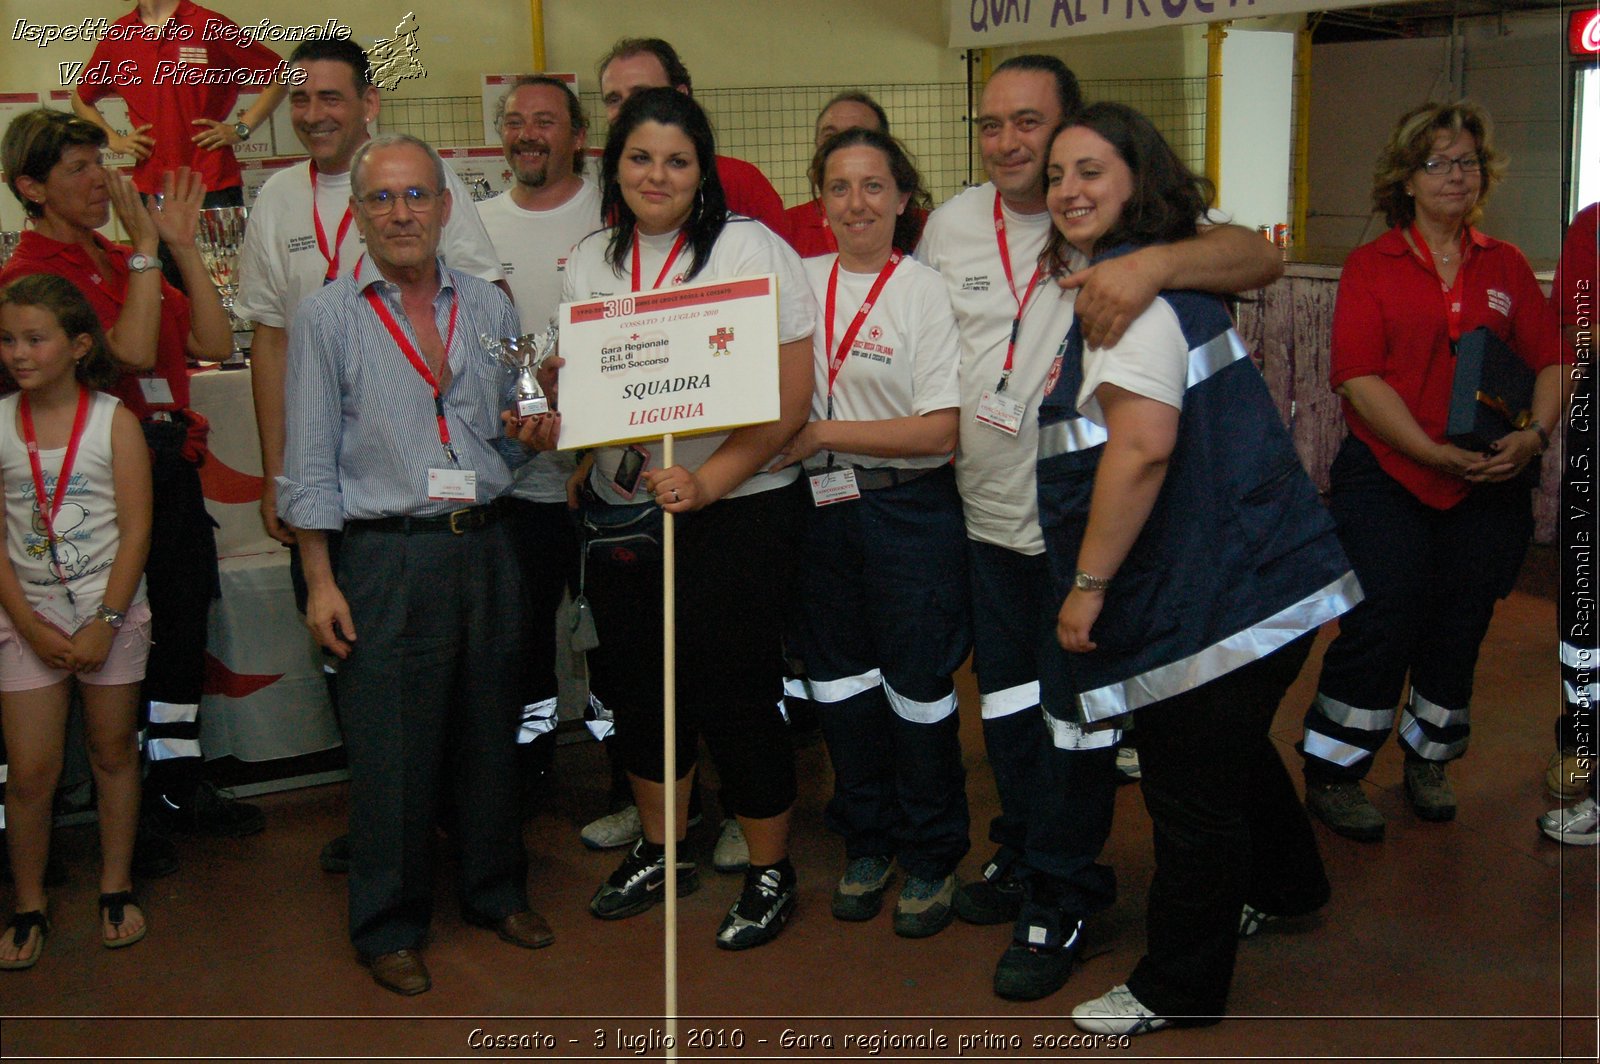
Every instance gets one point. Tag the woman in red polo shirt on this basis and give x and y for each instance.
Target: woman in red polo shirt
(52, 164)
(1436, 532)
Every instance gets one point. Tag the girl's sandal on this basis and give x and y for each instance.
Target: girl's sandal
(112, 908)
(22, 927)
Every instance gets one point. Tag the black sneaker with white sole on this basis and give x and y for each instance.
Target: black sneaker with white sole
(639, 882)
(764, 906)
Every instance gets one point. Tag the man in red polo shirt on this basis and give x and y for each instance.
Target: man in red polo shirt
(636, 63)
(156, 58)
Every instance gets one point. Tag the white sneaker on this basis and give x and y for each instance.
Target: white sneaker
(1117, 1012)
(1576, 825)
(732, 853)
(621, 828)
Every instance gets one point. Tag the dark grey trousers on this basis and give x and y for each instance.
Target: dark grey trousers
(435, 670)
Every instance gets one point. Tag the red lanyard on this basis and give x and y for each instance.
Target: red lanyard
(417, 363)
(47, 512)
(1022, 300)
(836, 357)
(322, 235)
(1452, 299)
(672, 256)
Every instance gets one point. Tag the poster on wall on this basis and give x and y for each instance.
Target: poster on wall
(495, 86)
(482, 170)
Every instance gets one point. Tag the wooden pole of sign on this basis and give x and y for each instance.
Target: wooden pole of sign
(669, 714)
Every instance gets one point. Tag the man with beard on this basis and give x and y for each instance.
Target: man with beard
(550, 208)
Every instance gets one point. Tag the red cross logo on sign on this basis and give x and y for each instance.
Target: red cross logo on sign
(720, 340)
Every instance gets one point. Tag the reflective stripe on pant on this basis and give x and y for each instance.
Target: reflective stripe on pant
(883, 623)
(1431, 579)
(173, 731)
(1055, 800)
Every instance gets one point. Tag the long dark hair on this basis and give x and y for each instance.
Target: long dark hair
(61, 298)
(710, 210)
(1168, 198)
(908, 226)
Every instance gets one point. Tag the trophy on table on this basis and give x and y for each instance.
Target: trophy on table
(219, 237)
(524, 354)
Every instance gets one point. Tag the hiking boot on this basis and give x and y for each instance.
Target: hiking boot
(1430, 792)
(859, 895)
(994, 899)
(1346, 809)
(637, 883)
(764, 906)
(1117, 1011)
(1577, 825)
(926, 906)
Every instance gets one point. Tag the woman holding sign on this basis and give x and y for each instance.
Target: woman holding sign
(1436, 532)
(736, 539)
(883, 618)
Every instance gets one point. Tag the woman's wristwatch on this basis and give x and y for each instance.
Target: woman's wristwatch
(1544, 436)
(1084, 582)
(112, 617)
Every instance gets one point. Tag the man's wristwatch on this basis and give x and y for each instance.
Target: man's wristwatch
(139, 262)
(242, 130)
(112, 617)
(1084, 582)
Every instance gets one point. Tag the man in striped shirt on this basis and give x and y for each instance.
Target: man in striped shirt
(393, 436)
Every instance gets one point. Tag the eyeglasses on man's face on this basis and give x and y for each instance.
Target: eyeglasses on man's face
(1440, 165)
(418, 200)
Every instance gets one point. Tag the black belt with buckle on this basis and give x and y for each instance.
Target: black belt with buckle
(876, 477)
(456, 522)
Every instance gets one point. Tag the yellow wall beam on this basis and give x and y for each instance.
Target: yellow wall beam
(536, 18)
(1215, 33)
(1302, 135)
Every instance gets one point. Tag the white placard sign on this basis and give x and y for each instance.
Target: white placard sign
(694, 359)
(989, 23)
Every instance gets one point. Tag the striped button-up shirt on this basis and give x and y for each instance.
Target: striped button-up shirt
(360, 427)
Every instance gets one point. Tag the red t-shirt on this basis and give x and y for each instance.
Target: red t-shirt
(810, 235)
(1391, 321)
(39, 254)
(749, 193)
(159, 94)
(1574, 289)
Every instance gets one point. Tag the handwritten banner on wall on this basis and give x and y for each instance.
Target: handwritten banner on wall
(988, 23)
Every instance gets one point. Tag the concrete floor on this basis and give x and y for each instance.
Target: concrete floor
(1468, 940)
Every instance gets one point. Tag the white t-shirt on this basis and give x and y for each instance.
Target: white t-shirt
(281, 263)
(533, 247)
(904, 361)
(1151, 360)
(86, 524)
(745, 248)
(994, 470)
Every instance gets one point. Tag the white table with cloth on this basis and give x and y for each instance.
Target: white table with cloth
(264, 695)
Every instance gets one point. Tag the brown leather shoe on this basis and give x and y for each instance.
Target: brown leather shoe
(401, 971)
(526, 929)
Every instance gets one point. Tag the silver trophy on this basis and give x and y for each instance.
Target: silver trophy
(524, 354)
(219, 237)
